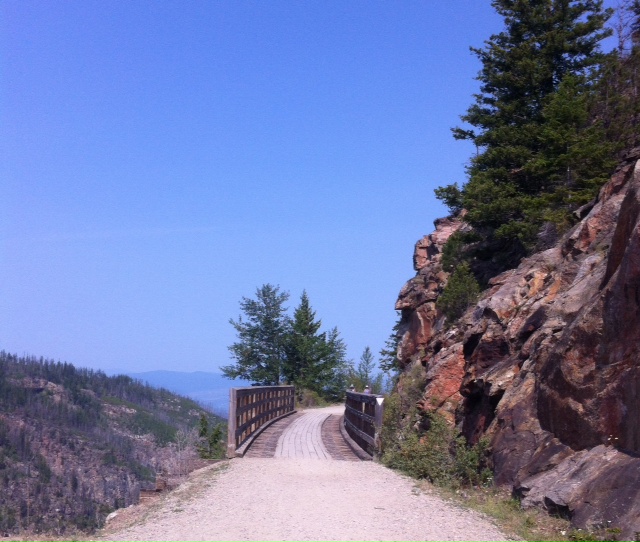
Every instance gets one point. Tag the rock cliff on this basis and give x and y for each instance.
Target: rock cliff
(546, 364)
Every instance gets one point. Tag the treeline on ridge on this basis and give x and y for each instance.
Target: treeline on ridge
(75, 444)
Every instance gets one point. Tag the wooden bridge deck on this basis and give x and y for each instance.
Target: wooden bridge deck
(311, 434)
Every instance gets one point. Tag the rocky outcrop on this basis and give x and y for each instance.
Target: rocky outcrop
(420, 321)
(547, 363)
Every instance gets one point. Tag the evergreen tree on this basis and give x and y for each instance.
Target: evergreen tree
(388, 361)
(211, 443)
(365, 374)
(634, 9)
(617, 98)
(259, 352)
(334, 388)
(366, 366)
(273, 348)
(543, 43)
(203, 427)
(308, 363)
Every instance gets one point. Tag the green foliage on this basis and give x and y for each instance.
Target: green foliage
(451, 196)
(309, 399)
(146, 423)
(334, 388)
(461, 291)
(457, 249)
(617, 98)
(85, 415)
(259, 352)
(203, 427)
(541, 151)
(41, 465)
(273, 348)
(310, 358)
(211, 444)
(598, 533)
(424, 457)
(364, 374)
(388, 361)
(436, 454)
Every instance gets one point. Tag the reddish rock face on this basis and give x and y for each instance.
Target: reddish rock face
(548, 362)
(417, 297)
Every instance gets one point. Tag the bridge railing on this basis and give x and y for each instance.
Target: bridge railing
(363, 420)
(251, 410)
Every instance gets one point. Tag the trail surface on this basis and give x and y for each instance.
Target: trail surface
(291, 498)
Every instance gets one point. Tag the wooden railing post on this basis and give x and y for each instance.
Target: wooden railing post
(378, 425)
(232, 423)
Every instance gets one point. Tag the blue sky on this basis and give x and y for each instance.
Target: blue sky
(162, 159)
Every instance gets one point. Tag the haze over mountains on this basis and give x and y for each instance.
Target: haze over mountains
(209, 389)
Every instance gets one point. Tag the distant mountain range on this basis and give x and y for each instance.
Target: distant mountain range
(209, 389)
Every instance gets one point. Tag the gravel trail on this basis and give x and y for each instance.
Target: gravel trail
(301, 499)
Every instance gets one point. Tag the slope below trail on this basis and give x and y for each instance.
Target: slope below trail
(287, 498)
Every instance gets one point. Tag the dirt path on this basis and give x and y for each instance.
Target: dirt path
(299, 499)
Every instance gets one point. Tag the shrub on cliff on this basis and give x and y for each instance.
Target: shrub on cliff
(434, 451)
(461, 291)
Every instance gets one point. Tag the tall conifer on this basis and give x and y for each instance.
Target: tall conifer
(543, 43)
(259, 351)
(306, 350)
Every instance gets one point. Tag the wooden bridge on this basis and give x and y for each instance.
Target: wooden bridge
(263, 423)
(302, 478)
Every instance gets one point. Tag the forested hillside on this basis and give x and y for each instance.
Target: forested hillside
(76, 444)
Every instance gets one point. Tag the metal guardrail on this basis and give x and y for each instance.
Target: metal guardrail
(363, 420)
(251, 410)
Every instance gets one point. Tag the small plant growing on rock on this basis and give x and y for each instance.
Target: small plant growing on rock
(437, 453)
(461, 291)
(600, 533)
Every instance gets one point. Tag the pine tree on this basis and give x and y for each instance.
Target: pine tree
(314, 361)
(273, 348)
(617, 99)
(388, 361)
(634, 10)
(307, 361)
(203, 427)
(366, 366)
(259, 352)
(334, 388)
(210, 445)
(365, 373)
(523, 67)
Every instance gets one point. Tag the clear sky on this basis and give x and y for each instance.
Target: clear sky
(162, 159)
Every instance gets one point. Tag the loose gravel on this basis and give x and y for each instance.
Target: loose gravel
(298, 499)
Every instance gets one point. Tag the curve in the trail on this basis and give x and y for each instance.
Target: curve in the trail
(303, 438)
(311, 434)
(301, 496)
